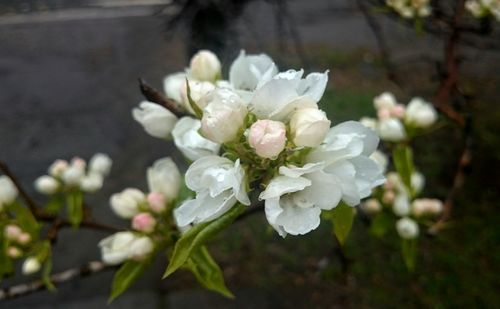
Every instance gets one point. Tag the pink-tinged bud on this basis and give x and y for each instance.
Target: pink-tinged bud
(157, 202)
(13, 252)
(24, 238)
(12, 231)
(384, 113)
(144, 222)
(388, 197)
(371, 206)
(57, 168)
(79, 163)
(267, 137)
(398, 111)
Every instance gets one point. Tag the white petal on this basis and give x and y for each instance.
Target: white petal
(299, 221)
(325, 191)
(239, 185)
(164, 177)
(213, 207)
(272, 96)
(185, 214)
(282, 184)
(172, 85)
(314, 85)
(368, 136)
(368, 175)
(190, 142)
(195, 172)
(295, 172)
(284, 112)
(273, 210)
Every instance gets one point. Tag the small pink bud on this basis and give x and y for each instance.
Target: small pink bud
(14, 252)
(143, 222)
(267, 137)
(78, 162)
(12, 231)
(156, 202)
(24, 238)
(388, 197)
(398, 111)
(384, 113)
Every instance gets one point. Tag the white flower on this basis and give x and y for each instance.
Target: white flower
(391, 130)
(91, 182)
(401, 206)
(287, 92)
(164, 177)
(247, 71)
(122, 246)
(369, 122)
(426, 206)
(381, 159)
(47, 185)
(8, 191)
(205, 66)
(156, 120)
(173, 86)
(309, 127)
(223, 116)
(57, 168)
(267, 137)
(337, 169)
(219, 183)
(126, 204)
(100, 163)
(31, 265)
(190, 142)
(74, 173)
(407, 228)
(385, 100)
(420, 113)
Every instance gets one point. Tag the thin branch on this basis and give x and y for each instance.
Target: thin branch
(155, 96)
(24, 289)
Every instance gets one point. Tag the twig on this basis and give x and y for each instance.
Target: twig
(155, 96)
(24, 289)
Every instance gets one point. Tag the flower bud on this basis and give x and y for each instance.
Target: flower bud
(384, 100)
(126, 204)
(8, 191)
(267, 137)
(173, 84)
(384, 113)
(223, 116)
(388, 197)
(91, 182)
(47, 185)
(407, 228)
(420, 113)
(371, 206)
(401, 205)
(13, 252)
(144, 222)
(116, 248)
(164, 177)
(57, 168)
(369, 122)
(156, 120)
(417, 182)
(309, 127)
(205, 66)
(12, 231)
(24, 238)
(157, 202)
(31, 265)
(426, 206)
(100, 163)
(198, 91)
(141, 247)
(398, 111)
(391, 130)
(75, 172)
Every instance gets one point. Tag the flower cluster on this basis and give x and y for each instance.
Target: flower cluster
(64, 175)
(262, 131)
(396, 122)
(148, 214)
(410, 8)
(482, 8)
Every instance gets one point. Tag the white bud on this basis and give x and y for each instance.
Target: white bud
(156, 120)
(426, 206)
(417, 182)
(75, 172)
(173, 84)
(164, 177)
(205, 66)
(384, 100)
(126, 204)
(141, 248)
(391, 130)
(91, 182)
(115, 249)
(380, 158)
(198, 92)
(309, 127)
(420, 114)
(401, 206)
(267, 137)
(371, 206)
(8, 191)
(100, 163)
(368, 122)
(407, 228)
(57, 168)
(31, 265)
(223, 116)
(47, 185)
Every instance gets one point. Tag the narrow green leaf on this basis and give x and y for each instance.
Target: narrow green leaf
(207, 272)
(342, 218)
(74, 201)
(128, 273)
(409, 251)
(47, 269)
(25, 218)
(6, 266)
(197, 235)
(403, 161)
(197, 111)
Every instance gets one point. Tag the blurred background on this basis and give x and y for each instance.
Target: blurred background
(68, 81)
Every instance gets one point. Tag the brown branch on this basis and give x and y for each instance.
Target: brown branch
(155, 96)
(24, 289)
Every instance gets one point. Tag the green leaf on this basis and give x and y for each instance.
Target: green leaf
(197, 111)
(55, 204)
(128, 273)
(403, 161)
(74, 201)
(6, 266)
(342, 218)
(197, 235)
(207, 272)
(47, 269)
(25, 219)
(409, 251)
